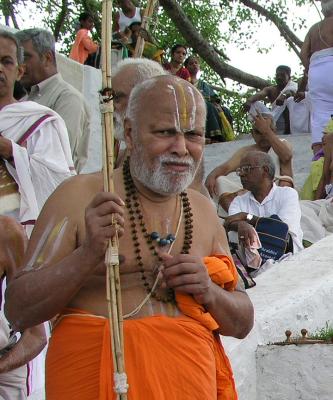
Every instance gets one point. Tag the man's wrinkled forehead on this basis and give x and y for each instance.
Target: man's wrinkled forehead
(180, 100)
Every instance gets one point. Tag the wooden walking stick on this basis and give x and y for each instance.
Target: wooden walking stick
(140, 44)
(113, 290)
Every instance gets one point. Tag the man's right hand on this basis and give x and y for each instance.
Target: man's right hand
(246, 234)
(211, 183)
(104, 218)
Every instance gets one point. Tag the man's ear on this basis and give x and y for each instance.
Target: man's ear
(49, 57)
(266, 169)
(20, 71)
(128, 134)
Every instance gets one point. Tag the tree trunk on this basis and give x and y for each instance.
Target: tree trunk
(205, 50)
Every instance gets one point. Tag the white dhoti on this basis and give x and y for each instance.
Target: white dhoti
(275, 111)
(321, 91)
(299, 115)
(13, 385)
(317, 219)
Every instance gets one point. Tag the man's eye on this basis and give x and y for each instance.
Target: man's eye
(7, 61)
(194, 136)
(166, 133)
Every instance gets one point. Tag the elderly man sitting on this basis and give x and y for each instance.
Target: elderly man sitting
(219, 184)
(263, 199)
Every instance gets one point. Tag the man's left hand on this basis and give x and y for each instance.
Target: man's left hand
(187, 274)
(234, 218)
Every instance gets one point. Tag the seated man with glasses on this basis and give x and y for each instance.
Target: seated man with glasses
(266, 140)
(263, 198)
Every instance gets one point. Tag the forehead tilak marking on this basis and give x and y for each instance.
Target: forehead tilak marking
(185, 110)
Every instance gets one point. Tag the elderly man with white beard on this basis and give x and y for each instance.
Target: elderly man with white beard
(126, 75)
(174, 255)
(317, 57)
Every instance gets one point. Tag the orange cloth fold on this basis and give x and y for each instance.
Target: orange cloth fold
(165, 358)
(222, 271)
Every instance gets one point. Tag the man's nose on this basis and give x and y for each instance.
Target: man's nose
(179, 145)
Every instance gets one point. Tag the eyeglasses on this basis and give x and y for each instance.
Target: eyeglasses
(245, 169)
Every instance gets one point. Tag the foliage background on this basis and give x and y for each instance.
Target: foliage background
(222, 23)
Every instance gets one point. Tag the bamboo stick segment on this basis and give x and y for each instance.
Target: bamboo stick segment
(113, 289)
(140, 44)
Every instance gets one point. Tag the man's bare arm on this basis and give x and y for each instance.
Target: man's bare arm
(224, 169)
(306, 50)
(261, 95)
(30, 344)
(56, 267)
(6, 148)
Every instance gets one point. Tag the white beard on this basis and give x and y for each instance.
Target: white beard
(118, 124)
(327, 7)
(156, 178)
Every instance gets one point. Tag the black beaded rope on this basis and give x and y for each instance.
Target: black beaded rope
(136, 218)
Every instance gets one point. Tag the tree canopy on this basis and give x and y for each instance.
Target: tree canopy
(208, 27)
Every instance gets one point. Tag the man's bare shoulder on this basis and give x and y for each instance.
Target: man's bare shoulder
(314, 29)
(75, 192)
(201, 204)
(83, 183)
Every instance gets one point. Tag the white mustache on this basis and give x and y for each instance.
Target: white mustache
(187, 161)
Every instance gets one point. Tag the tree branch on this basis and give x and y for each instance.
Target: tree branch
(60, 19)
(285, 31)
(205, 50)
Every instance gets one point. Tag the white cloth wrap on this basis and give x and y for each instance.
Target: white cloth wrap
(44, 162)
(317, 219)
(320, 91)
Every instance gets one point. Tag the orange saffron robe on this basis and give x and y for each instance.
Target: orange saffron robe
(166, 358)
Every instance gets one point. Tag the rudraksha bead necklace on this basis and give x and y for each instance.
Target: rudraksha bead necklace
(136, 219)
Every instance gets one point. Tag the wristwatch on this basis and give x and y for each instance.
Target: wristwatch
(249, 218)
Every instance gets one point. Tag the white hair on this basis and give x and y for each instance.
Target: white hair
(142, 69)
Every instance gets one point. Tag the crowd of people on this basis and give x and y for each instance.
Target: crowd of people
(184, 270)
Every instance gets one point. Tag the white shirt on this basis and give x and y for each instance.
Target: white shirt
(282, 201)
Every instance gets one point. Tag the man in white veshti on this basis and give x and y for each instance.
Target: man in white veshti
(34, 144)
(317, 57)
(34, 159)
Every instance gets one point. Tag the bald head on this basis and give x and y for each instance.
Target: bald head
(260, 159)
(180, 99)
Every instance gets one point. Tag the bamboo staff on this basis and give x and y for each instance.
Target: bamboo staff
(140, 44)
(113, 290)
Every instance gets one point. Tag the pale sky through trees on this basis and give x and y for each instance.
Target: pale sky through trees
(264, 65)
(248, 60)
